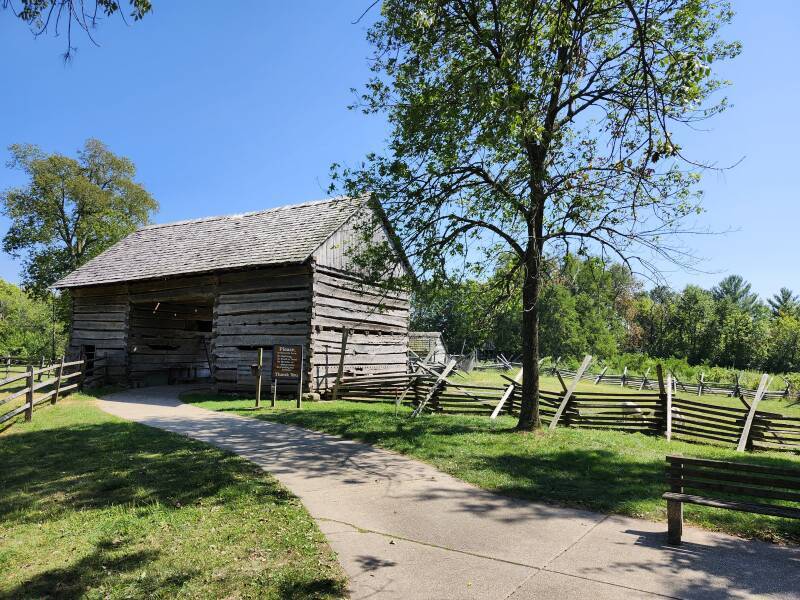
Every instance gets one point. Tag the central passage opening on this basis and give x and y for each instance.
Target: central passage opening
(170, 342)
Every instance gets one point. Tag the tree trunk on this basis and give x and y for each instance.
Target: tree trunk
(529, 410)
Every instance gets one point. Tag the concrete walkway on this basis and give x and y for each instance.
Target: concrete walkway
(402, 529)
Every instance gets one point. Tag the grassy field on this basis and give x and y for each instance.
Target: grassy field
(95, 507)
(605, 471)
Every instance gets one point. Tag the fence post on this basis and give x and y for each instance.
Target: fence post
(259, 368)
(669, 408)
(339, 373)
(744, 439)
(600, 377)
(644, 379)
(568, 394)
(82, 376)
(41, 366)
(58, 381)
(700, 385)
(29, 394)
(662, 393)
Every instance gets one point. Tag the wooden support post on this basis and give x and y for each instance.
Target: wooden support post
(300, 383)
(561, 380)
(58, 381)
(744, 439)
(568, 394)
(274, 393)
(340, 372)
(662, 393)
(624, 377)
(644, 379)
(259, 369)
(600, 377)
(555, 364)
(675, 507)
(29, 394)
(669, 407)
(41, 366)
(8, 367)
(700, 385)
(674, 522)
(82, 376)
(434, 388)
(507, 394)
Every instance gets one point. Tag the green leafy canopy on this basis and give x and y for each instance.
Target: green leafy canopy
(70, 210)
(538, 127)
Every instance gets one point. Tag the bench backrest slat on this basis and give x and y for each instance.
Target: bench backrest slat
(735, 466)
(753, 481)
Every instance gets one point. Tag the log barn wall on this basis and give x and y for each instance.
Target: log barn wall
(259, 308)
(100, 319)
(376, 319)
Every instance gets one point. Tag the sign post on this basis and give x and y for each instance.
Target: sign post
(287, 363)
(259, 368)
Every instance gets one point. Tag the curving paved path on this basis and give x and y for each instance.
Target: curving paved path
(402, 529)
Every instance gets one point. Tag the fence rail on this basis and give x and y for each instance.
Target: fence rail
(651, 383)
(651, 410)
(39, 385)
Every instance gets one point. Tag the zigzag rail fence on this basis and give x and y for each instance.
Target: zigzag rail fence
(699, 388)
(651, 409)
(22, 392)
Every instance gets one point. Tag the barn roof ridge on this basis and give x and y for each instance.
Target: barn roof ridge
(250, 213)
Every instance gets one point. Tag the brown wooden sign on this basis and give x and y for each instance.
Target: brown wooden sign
(287, 361)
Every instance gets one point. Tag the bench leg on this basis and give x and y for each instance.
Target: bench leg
(674, 522)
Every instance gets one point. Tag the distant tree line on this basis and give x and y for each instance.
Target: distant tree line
(588, 306)
(27, 327)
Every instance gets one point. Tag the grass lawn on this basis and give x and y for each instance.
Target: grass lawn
(92, 506)
(605, 471)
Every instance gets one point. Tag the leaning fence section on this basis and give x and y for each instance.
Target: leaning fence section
(32, 386)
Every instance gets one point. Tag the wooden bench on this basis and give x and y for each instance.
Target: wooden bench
(713, 482)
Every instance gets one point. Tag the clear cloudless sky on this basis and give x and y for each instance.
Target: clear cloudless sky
(240, 106)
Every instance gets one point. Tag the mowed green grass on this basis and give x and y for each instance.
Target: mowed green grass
(95, 507)
(605, 471)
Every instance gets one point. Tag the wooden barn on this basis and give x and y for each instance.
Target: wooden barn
(195, 300)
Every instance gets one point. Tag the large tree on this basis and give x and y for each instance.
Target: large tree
(538, 126)
(70, 210)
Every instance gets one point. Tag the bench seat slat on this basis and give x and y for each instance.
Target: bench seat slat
(763, 509)
(742, 490)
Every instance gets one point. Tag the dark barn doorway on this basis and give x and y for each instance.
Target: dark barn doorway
(170, 342)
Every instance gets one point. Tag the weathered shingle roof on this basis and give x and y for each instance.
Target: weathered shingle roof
(284, 235)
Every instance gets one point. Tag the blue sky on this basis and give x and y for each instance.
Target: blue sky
(245, 108)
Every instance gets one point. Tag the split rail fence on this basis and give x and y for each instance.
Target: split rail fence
(646, 382)
(649, 409)
(22, 392)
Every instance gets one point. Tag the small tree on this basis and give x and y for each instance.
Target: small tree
(71, 209)
(533, 127)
